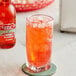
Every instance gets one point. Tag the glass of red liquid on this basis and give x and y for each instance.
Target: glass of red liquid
(39, 33)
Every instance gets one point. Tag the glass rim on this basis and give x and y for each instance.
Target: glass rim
(49, 17)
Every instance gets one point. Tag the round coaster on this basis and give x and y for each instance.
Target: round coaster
(48, 72)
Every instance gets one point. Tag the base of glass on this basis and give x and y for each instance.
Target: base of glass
(48, 72)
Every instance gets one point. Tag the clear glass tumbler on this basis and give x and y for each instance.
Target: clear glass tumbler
(39, 33)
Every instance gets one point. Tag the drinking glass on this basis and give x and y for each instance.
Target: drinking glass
(39, 34)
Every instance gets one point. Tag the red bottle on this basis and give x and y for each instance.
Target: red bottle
(7, 24)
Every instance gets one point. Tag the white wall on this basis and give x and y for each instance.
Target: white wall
(51, 10)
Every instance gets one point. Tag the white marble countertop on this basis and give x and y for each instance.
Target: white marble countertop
(64, 48)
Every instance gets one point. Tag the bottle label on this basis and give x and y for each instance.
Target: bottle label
(7, 31)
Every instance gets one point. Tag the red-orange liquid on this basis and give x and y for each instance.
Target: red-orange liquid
(38, 45)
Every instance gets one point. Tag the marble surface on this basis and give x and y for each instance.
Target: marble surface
(64, 48)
